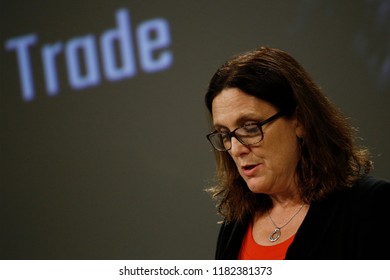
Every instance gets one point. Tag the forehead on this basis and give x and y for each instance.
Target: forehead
(233, 106)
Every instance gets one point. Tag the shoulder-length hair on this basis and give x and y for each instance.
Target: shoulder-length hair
(330, 157)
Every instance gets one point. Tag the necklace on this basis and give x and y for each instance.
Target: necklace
(276, 233)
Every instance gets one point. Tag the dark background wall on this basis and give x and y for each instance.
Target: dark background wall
(102, 146)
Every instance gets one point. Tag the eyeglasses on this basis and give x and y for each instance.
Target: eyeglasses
(247, 135)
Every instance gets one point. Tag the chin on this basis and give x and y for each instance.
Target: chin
(255, 186)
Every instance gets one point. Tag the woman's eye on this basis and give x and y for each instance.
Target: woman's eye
(251, 128)
(223, 132)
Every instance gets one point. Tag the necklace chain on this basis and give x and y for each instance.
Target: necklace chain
(276, 233)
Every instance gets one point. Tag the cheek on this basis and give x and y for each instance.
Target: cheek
(282, 152)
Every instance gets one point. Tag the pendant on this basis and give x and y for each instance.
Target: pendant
(275, 235)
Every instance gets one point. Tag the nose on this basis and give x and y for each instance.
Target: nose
(237, 148)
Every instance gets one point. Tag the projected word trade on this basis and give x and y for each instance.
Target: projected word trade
(118, 53)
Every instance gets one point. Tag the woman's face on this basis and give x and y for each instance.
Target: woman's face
(269, 166)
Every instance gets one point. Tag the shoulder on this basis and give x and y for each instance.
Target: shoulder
(369, 187)
(364, 190)
(372, 182)
(369, 198)
(229, 239)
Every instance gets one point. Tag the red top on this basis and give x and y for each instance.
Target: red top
(250, 250)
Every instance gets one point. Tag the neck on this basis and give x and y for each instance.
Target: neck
(281, 214)
(286, 202)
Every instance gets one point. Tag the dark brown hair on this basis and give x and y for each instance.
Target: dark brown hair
(330, 157)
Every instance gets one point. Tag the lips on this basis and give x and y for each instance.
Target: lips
(249, 170)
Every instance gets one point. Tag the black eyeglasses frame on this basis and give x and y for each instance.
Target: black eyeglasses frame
(233, 133)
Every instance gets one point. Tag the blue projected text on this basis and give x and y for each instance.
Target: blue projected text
(118, 53)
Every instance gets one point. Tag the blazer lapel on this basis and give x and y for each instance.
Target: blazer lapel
(313, 230)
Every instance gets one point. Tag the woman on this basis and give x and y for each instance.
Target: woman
(292, 182)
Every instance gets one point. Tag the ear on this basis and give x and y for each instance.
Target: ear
(299, 129)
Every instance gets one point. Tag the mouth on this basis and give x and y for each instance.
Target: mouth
(249, 167)
(249, 170)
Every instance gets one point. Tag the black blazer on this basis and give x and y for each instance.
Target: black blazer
(350, 224)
